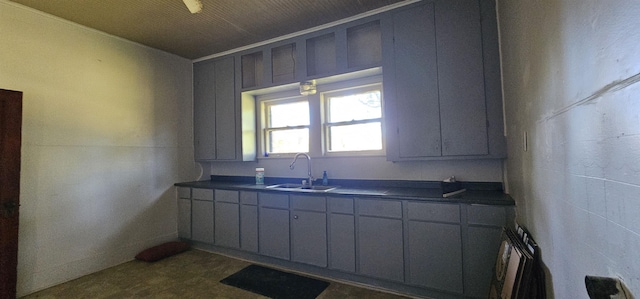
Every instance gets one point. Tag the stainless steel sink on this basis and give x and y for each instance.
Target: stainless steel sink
(300, 188)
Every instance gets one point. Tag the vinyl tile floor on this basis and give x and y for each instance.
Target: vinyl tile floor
(191, 274)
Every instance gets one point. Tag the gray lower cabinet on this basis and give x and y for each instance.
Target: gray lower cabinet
(483, 241)
(309, 230)
(446, 247)
(227, 218)
(202, 221)
(184, 212)
(342, 234)
(249, 221)
(380, 239)
(435, 246)
(202, 215)
(273, 227)
(184, 218)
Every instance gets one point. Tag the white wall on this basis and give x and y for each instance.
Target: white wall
(369, 168)
(107, 131)
(571, 73)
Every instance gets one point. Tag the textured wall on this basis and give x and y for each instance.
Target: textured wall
(106, 134)
(571, 81)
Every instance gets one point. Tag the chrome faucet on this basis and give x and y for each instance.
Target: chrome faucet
(310, 177)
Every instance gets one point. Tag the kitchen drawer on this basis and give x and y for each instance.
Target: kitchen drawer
(184, 192)
(274, 200)
(434, 212)
(202, 194)
(249, 198)
(340, 205)
(382, 208)
(486, 215)
(309, 203)
(226, 196)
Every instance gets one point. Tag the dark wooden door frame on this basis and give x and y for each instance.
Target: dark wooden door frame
(10, 144)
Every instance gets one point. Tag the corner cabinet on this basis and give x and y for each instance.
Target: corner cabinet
(214, 110)
(442, 81)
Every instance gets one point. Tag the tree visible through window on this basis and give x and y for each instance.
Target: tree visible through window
(353, 120)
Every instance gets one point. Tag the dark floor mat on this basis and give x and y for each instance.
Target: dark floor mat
(275, 284)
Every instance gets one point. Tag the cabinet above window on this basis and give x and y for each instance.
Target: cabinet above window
(345, 48)
(440, 87)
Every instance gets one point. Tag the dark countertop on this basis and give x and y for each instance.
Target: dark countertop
(477, 192)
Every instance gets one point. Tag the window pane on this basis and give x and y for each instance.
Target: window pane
(355, 107)
(289, 141)
(356, 137)
(290, 114)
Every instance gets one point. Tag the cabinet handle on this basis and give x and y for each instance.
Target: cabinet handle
(295, 216)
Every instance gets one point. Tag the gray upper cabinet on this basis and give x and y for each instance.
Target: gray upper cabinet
(412, 100)
(441, 94)
(214, 110)
(463, 115)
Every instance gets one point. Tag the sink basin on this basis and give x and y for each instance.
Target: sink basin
(299, 188)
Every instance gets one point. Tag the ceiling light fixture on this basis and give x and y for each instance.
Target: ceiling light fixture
(194, 6)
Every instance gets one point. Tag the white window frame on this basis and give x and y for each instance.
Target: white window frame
(317, 127)
(326, 125)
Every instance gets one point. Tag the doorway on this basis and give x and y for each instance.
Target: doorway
(10, 144)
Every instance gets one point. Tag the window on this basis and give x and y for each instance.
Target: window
(353, 119)
(287, 126)
(344, 118)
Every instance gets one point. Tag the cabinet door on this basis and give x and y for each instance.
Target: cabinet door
(225, 109)
(309, 237)
(204, 114)
(184, 218)
(214, 110)
(202, 221)
(480, 254)
(463, 113)
(415, 83)
(274, 232)
(380, 251)
(249, 228)
(342, 243)
(227, 224)
(435, 256)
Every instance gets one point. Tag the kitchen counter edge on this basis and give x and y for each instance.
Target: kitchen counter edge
(477, 197)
